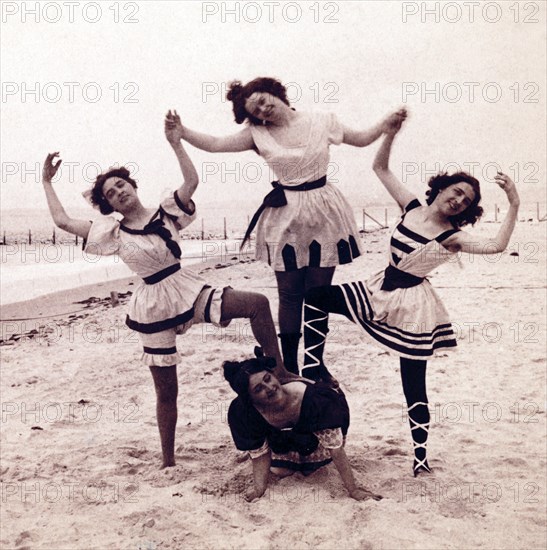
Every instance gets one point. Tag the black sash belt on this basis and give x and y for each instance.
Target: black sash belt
(276, 199)
(395, 278)
(160, 275)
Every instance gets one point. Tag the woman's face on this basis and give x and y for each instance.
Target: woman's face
(455, 198)
(264, 388)
(119, 193)
(264, 106)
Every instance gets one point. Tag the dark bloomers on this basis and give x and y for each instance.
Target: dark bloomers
(97, 197)
(238, 94)
(441, 181)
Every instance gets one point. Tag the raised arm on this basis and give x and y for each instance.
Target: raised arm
(173, 133)
(465, 242)
(381, 167)
(56, 209)
(234, 143)
(362, 138)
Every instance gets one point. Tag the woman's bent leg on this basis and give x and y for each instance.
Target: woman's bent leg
(292, 287)
(413, 377)
(320, 301)
(237, 304)
(166, 384)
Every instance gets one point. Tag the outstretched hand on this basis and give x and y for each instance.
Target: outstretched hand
(50, 167)
(508, 185)
(393, 122)
(173, 127)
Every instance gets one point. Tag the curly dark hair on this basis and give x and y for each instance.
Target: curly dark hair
(441, 181)
(238, 94)
(97, 197)
(237, 373)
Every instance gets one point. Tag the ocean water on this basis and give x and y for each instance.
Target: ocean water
(30, 269)
(212, 222)
(36, 269)
(215, 221)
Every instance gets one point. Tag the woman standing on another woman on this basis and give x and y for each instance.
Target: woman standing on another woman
(305, 225)
(398, 306)
(289, 427)
(170, 299)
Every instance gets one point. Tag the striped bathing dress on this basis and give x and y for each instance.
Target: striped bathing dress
(397, 306)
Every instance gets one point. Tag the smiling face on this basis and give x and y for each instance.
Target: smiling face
(264, 106)
(264, 389)
(119, 193)
(455, 198)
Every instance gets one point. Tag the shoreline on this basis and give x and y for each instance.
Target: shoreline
(61, 304)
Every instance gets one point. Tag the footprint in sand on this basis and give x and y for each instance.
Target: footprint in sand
(395, 451)
(137, 453)
(259, 519)
(25, 538)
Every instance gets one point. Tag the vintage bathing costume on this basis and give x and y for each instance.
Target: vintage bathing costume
(397, 306)
(399, 309)
(316, 226)
(170, 298)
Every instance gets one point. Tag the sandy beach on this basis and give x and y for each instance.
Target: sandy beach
(81, 454)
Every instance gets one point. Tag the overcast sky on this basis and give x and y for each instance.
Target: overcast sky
(105, 73)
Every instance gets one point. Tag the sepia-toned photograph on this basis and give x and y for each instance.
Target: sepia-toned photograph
(273, 275)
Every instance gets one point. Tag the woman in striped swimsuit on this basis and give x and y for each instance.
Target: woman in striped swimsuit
(398, 306)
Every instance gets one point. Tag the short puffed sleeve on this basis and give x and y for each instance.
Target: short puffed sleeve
(249, 430)
(180, 213)
(334, 129)
(324, 408)
(330, 438)
(104, 237)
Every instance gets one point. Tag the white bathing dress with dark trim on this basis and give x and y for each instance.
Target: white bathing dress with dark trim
(316, 227)
(413, 321)
(171, 298)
